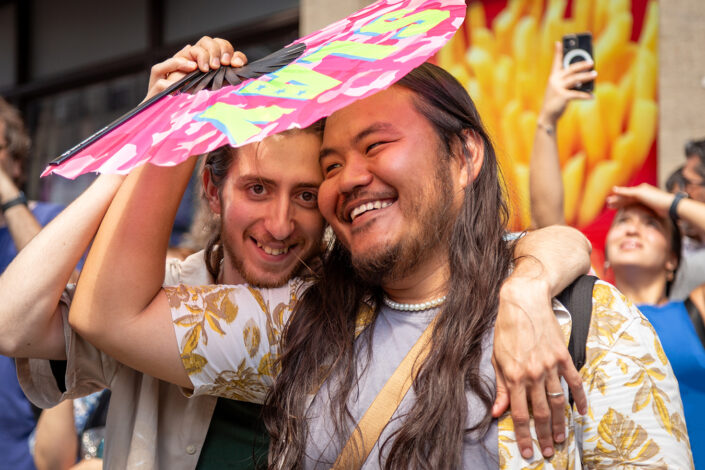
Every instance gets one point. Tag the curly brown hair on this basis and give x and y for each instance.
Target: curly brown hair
(16, 137)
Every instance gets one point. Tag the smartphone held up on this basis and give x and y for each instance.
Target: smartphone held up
(576, 48)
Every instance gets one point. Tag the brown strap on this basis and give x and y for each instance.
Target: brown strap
(375, 419)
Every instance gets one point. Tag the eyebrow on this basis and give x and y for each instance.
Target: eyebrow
(371, 129)
(246, 179)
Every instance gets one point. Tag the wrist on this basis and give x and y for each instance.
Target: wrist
(547, 118)
(523, 291)
(8, 190)
(547, 128)
(9, 195)
(19, 199)
(673, 209)
(524, 282)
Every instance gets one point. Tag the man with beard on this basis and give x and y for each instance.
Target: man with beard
(412, 192)
(265, 198)
(151, 423)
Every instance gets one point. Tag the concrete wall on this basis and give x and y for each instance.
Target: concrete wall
(681, 79)
(315, 14)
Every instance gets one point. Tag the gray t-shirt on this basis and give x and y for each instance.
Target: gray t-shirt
(691, 272)
(395, 333)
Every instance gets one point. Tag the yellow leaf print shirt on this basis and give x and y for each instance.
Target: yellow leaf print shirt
(635, 415)
(229, 337)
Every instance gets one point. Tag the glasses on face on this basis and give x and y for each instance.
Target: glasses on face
(697, 184)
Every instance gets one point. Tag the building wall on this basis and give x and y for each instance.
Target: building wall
(316, 14)
(681, 80)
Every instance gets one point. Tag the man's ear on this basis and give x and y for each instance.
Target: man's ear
(211, 191)
(470, 157)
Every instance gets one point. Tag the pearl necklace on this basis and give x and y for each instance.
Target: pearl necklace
(414, 307)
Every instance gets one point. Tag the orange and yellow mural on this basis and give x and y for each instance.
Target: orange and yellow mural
(503, 54)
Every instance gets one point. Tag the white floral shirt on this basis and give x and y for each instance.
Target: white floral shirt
(229, 339)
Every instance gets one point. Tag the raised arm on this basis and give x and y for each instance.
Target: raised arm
(19, 219)
(119, 305)
(56, 444)
(30, 322)
(530, 354)
(688, 210)
(545, 181)
(30, 319)
(117, 293)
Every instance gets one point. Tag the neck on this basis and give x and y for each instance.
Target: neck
(427, 281)
(229, 275)
(641, 286)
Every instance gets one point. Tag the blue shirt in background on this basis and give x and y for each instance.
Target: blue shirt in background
(17, 420)
(43, 212)
(687, 356)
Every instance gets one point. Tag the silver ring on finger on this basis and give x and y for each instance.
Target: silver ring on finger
(554, 394)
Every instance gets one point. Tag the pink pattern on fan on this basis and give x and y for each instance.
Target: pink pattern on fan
(348, 60)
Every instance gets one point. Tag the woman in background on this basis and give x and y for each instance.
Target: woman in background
(642, 249)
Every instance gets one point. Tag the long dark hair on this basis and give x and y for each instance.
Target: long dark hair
(319, 340)
(217, 163)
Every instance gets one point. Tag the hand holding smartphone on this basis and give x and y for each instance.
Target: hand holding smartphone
(576, 48)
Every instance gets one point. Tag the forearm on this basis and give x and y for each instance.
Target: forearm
(38, 275)
(557, 254)
(19, 219)
(22, 225)
(125, 267)
(56, 440)
(545, 180)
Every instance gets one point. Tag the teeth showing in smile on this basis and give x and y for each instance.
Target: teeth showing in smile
(273, 251)
(368, 207)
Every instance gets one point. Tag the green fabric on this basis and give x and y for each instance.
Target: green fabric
(236, 437)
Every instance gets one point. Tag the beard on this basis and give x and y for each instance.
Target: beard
(271, 279)
(433, 217)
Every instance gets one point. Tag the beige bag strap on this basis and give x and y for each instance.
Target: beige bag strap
(370, 427)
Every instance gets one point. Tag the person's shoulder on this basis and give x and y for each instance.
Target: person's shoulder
(192, 270)
(697, 296)
(613, 310)
(611, 314)
(618, 326)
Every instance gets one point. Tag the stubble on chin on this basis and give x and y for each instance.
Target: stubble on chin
(270, 280)
(433, 222)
